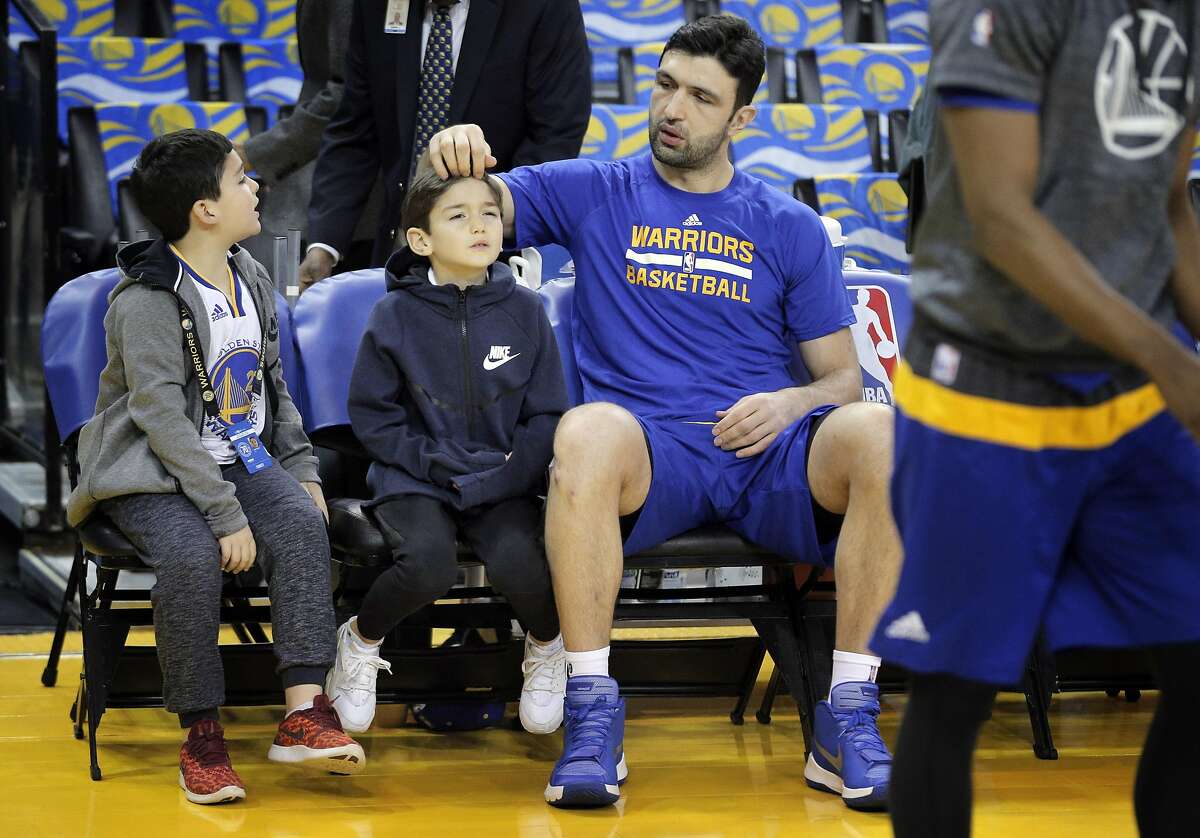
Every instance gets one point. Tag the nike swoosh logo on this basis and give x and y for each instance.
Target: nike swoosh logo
(489, 364)
(836, 762)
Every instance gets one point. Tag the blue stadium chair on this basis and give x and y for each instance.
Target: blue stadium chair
(264, 73)
(873, 212)
(645, 67)
(874, 77)
(615, 132)
(18, 30)
(72, 18)
(149, 70)
(606, 74)
(788, 142)
(907, 21)
(213, 22)
(73, 356)
(104, 140)
(627, 23)
(792, 24)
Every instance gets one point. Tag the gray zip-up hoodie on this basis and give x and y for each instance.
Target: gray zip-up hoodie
(145, 436)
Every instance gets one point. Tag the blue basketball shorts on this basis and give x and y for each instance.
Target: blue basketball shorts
(1032, 502)
(764, 498)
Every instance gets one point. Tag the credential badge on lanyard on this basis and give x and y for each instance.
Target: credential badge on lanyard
(395, 20)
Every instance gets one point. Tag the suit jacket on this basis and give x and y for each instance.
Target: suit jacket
(523, 75)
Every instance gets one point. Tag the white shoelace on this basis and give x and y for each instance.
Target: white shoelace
(363, 670)
(546, 673)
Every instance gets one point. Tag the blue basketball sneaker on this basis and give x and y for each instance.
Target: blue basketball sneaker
(849, 756)
(592, 766)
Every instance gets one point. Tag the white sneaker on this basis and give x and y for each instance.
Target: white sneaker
(544, 689)
(350, 683)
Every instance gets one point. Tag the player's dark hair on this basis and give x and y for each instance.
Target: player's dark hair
(175, 171)
(730, 40)
(424, 191)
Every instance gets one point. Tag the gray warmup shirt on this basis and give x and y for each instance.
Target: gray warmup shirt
(1111, 127)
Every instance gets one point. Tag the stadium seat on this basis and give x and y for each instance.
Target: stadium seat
(90, 18)
(73, 356)
(149, 70)
(615, 132)
(787, 142)
(104, 141)
(907, 21)
(874, 77)
(260, 72)
(794, 24)
(607, 74)
(627, 23)
(872, 210)
(215, 21)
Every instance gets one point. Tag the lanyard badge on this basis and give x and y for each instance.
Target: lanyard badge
(395, 19)
(241, 435)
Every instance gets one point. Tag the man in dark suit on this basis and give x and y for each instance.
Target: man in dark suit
(285, 156)
(518, 68)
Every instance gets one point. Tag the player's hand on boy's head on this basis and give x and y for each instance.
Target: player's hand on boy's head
(1180, 387)
(314, 492)
(751, 425)
(460, 151)
(317, 265)
(238, 550)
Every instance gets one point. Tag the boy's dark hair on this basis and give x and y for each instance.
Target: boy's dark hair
(733, 42)
(424, 191)
(175, 171)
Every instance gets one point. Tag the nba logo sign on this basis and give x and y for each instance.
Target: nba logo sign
(874, 332)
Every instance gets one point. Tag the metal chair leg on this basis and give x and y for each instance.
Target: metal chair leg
(737, 714)
(50, 673)
(768, 700)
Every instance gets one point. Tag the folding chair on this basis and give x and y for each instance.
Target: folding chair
(73, 355)
(787, 142)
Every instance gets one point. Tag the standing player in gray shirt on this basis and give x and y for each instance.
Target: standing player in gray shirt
(1047, 475)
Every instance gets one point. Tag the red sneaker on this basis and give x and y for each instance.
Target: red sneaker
(205, 773)
(315, 738)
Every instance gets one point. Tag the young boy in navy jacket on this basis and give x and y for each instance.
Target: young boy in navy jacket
(456, 394)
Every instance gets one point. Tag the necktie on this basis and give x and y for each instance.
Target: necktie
(437, 78)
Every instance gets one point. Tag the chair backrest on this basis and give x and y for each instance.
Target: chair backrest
(907, 21)
(147, 70)
(873, 212)
(262, 72)
(786, 142)
(234, 20)
(77, 19)
(330, 318)
(74, 352)
(791, 24)
(616, 131)
(881, 304)
(645, 68)
(625, 23)
(874, 77)
(557, 296)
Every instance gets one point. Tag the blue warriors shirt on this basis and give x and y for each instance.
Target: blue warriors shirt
(684, 302)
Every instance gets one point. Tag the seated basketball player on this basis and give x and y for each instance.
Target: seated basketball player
(695, 282)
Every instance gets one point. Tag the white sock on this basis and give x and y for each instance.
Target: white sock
(308, 705)
(594, 662)
(359, 644)
(851, 666)
(547, 649)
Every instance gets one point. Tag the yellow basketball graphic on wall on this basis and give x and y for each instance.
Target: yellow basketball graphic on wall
(167, 118)
(239, 16)
(112, 53)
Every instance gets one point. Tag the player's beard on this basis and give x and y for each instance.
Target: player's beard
(696, 153)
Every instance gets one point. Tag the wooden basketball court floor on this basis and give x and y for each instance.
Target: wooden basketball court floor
(692, 773)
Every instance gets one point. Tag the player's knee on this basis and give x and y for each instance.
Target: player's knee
(871, 426)
(591, 444)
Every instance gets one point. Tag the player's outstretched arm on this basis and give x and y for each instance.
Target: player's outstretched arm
(751, 425)
(997, 154)
(462, 151)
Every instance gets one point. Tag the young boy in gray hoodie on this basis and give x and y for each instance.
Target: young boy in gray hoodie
(198, 455)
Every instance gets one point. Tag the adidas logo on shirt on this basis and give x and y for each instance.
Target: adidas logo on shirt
(909, 627)
(693, 220)
(218, 313)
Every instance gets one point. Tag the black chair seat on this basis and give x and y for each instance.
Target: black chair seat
(107, 545)
(356, 540)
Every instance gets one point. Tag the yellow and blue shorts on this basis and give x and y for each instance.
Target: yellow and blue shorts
(1032, 501)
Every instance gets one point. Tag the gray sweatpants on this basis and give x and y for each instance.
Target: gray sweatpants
(293, 551)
